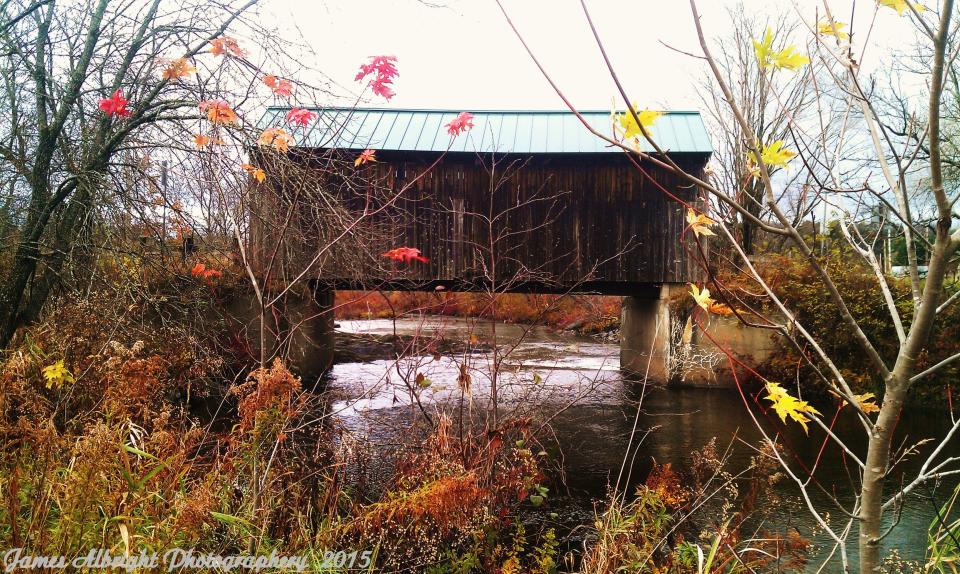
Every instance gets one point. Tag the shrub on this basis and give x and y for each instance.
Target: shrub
(802, 291)
(673, 517)
(449, 503)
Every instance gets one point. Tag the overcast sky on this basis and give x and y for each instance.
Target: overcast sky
(460, 54)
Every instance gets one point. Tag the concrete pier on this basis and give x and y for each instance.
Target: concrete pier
(299, 328)
(645, 335)
(309, 324)
(653, 341)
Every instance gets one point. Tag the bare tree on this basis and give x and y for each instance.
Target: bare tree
(59, 149)
(762, 107)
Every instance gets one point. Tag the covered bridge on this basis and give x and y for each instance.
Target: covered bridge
(559, 208)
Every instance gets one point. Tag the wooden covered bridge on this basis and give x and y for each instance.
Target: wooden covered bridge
(527, 201)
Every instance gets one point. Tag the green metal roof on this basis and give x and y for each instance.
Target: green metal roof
(501, 131)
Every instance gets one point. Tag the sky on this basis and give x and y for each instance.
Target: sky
(462, 55)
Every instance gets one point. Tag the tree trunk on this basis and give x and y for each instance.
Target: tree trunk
(878, 458)
(27, 257)
(751, 201)
(14, 286)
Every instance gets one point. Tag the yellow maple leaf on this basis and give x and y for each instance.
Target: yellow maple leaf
(630, 126)
(701, 297)
(786, 405)
(785, 58)
(764, 48)
(276, 138)
(257, 173)
(826, 29)
(901, 6)
(773, 155)
(699, 223)
(789, 60)
(57, 374)
(867, 402)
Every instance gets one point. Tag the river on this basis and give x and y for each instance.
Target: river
(579, 379)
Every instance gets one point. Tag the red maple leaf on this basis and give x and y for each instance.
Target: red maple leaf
(367, 155)
(300, 116)
(115, 105)
(200, 271)
(462, 123)
(405, 255)
(382, 65)
(284, 88)
(384, 71)
(382, 88)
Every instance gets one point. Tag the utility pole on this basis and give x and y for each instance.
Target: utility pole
(887, 252)
(163, 217)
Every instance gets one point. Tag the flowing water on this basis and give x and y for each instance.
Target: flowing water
(594, 408)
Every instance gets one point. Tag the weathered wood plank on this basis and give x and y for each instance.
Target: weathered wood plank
(556, 218)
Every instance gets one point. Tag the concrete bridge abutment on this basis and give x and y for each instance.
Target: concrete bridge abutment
(657, 340)
(309, 330)
(299, 328)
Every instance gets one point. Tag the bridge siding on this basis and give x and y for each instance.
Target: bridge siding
(607, 204)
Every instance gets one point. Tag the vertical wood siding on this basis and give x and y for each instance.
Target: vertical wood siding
(601, 206)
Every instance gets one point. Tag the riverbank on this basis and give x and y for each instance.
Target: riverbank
(584, 314)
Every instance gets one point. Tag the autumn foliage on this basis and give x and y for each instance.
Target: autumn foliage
(460, 124)
(382, 70)
(585, 313)
(300, 117)
(405, 255)
(795, 283)
(115, 105)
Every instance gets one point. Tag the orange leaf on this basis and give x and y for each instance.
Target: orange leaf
(867, 402)
(276, 138)
(280, 87)
(219, 112)
(226, 45)
(720, 309)
(200, 271)
(367, 155)
(257, 173)
(405, 255)
(179, 68)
